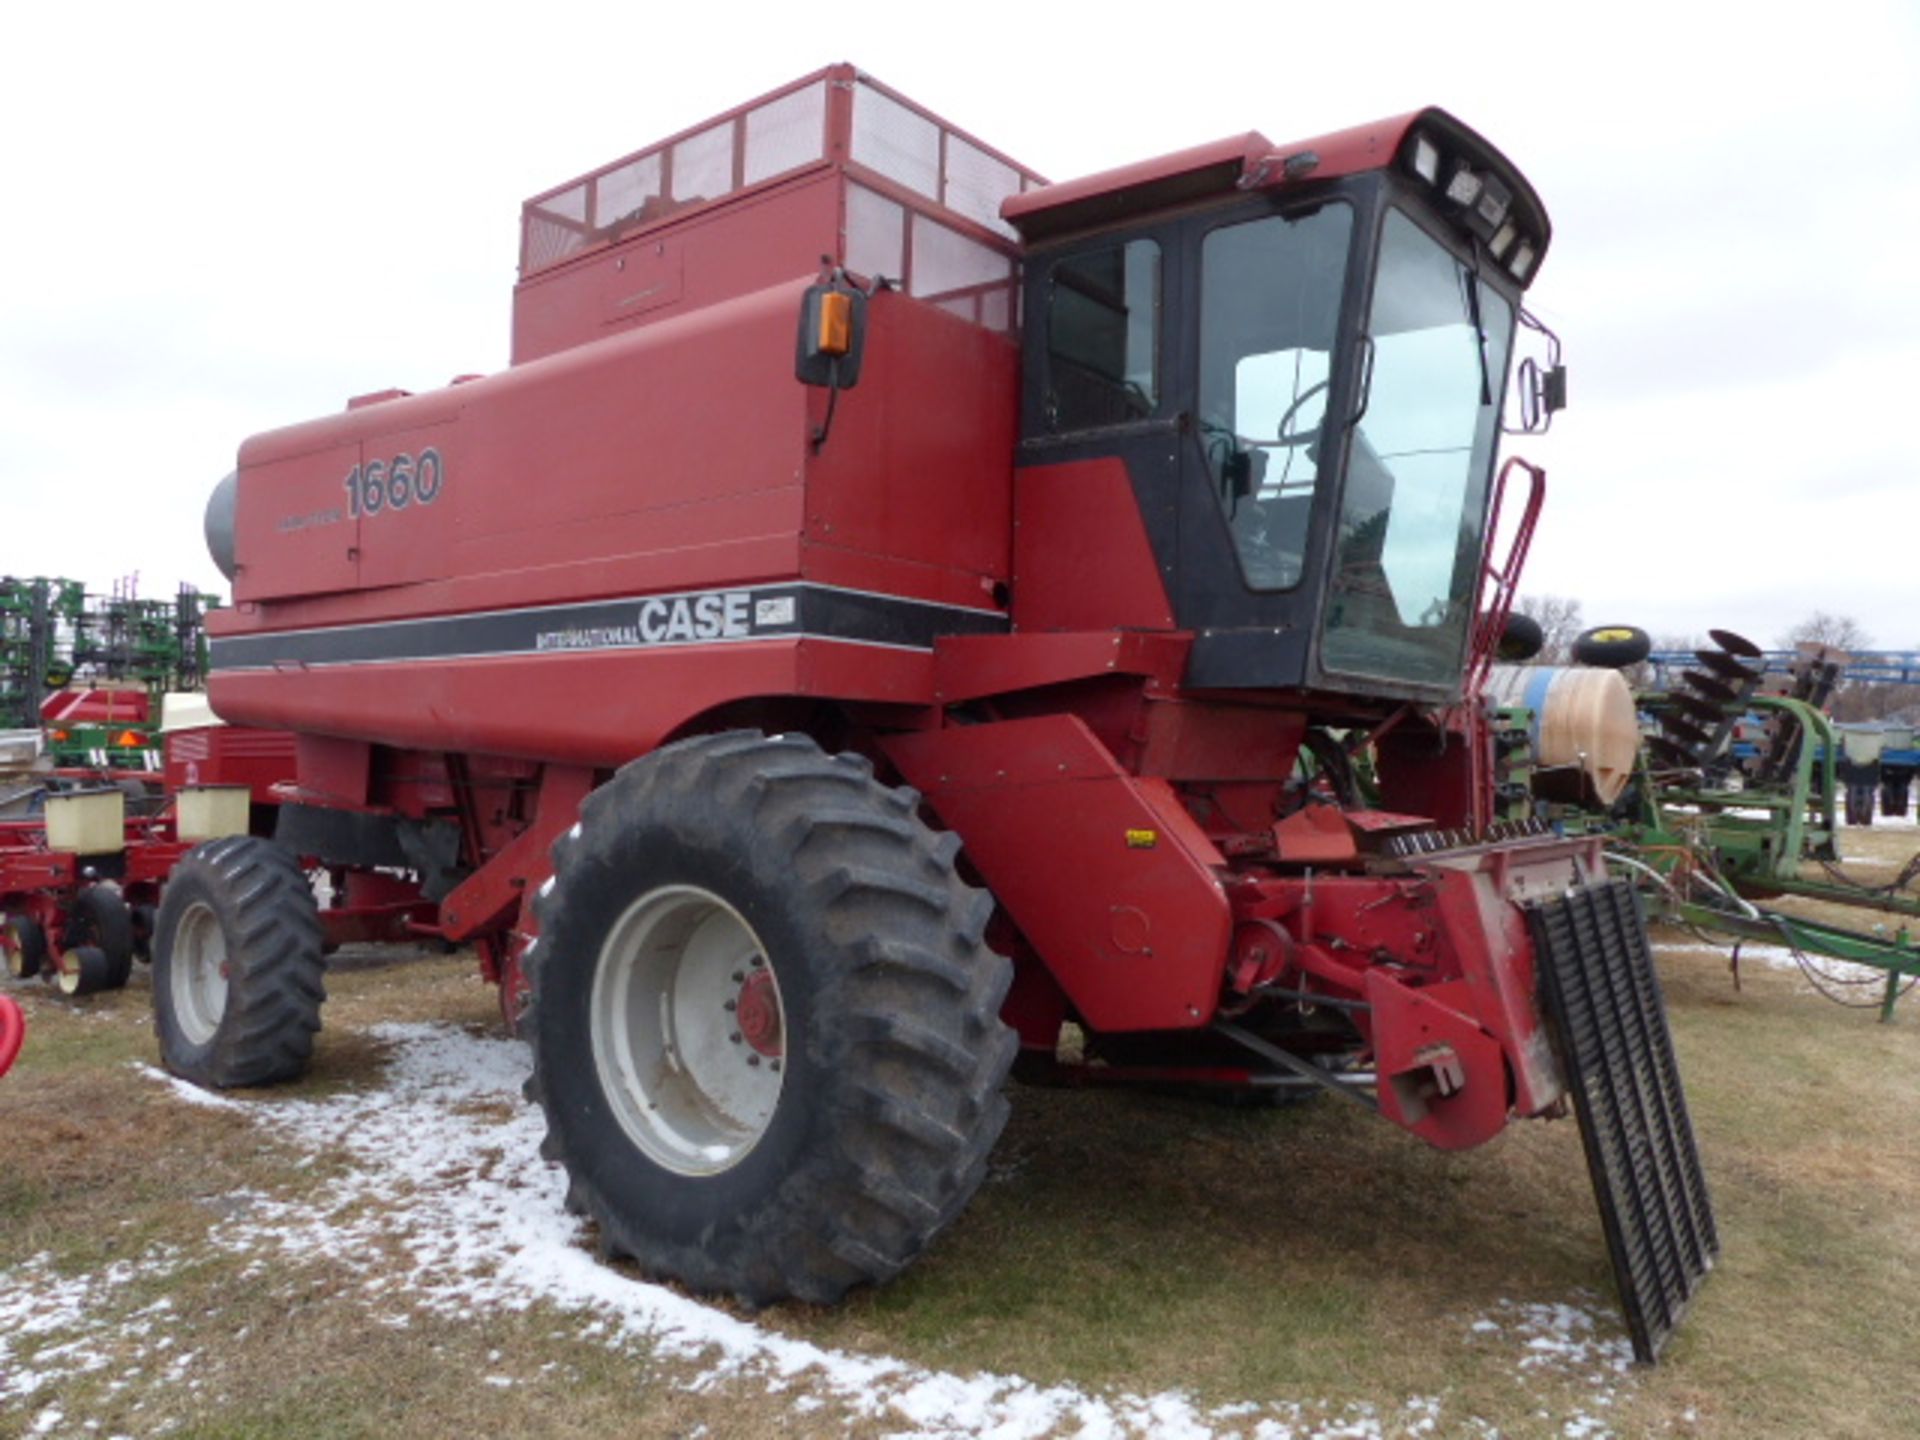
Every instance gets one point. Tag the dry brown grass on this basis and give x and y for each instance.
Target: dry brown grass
(1124, 1242)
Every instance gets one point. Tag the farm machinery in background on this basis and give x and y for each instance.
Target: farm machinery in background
(87, 672)
(810, 685)
(1876, 768)
(1877, 760)
(1731, 799)
(81, 882)
(88, 829)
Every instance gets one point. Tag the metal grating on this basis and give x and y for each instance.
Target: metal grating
(1603, 999)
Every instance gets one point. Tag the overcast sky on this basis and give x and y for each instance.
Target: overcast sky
(220, 220)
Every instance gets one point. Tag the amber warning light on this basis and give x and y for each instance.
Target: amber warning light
(832, 325)
(835, 333)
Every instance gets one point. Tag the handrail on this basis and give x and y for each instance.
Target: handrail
(1493, 609)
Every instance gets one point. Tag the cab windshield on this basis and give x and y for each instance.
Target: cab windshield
(1407, 558)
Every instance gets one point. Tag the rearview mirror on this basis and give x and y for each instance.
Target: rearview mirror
(1540, 390)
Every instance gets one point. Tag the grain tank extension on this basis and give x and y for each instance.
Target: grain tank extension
(812, 684)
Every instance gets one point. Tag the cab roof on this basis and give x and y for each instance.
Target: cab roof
(1253, 162)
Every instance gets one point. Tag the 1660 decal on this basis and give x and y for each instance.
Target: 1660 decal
(382, 485)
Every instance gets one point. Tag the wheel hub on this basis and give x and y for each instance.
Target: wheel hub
(201, 973)
(687, 1030)
(758, 1013)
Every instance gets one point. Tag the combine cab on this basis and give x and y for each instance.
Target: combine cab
(812, 684)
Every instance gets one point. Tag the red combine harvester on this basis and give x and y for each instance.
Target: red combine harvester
(801, 730)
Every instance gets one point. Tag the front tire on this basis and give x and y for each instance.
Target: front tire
(765, 1020)
(237, 973)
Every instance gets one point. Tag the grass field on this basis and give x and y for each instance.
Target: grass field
(377, 1251)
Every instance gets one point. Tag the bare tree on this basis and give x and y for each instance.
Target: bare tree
(1835, 632)
(1559, 620)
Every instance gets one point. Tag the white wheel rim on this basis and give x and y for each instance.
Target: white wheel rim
(198, 962)
(691, 1086)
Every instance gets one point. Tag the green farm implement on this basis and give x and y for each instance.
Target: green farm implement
(1713, 835)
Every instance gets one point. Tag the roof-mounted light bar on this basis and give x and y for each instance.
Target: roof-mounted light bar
(1482, 202)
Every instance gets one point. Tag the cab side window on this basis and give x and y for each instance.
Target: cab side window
(1103, 337)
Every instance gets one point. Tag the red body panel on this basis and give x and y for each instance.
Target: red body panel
(913, 497)
(683, 267)
(1081, 557)
(231, 755)
(595, 708)
(1138, 936)
(588, 473)
(101, 706)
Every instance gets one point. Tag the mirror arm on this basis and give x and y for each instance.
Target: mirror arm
(821, 430)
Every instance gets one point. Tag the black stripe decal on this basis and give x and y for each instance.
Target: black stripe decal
(642, 622)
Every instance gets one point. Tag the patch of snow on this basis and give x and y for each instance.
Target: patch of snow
(446, 1210)
(1583, 1343)
(186, 1090)
(1779, 957)
(48, 1320)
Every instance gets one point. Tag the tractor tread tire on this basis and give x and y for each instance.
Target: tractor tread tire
(892, 1095)
(276, 979)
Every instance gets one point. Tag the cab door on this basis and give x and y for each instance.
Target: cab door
(1267, 292)
(1097, 484)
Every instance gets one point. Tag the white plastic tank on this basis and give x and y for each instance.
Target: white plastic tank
(1862, 745)
(1583, 720)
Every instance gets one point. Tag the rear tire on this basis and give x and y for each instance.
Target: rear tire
(237, 974)
(692, 874)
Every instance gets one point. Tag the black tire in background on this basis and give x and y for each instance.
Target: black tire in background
(26, 947)
(1612, 647)
(237, 973)
(891, 1051)
(86, 970)
(144, 916)
(1520, 640)
(101, 920)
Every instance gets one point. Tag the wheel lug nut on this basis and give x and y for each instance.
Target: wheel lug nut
(730, 1005)
(773, 1064)
(753, 1059)
(735, 1037)
(758, 961)
(738, 976)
